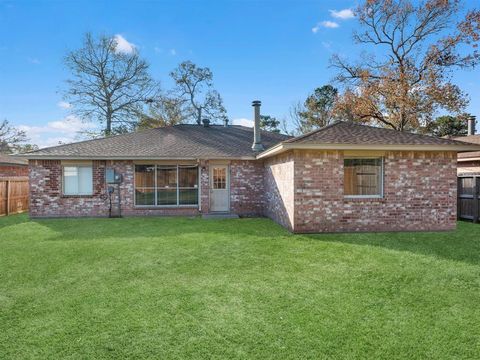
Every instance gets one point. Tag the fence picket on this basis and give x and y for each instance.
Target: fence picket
(13, 195)
(468, 198)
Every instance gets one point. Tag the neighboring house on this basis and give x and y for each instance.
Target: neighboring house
(13, 166)
(469, 162)
(344, 177)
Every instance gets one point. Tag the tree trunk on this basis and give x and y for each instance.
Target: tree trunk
(199, 116)
(108, 129)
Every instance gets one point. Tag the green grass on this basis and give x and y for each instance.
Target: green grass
(189, 288)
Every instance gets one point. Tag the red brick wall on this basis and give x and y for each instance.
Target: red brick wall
(279, 191)
(420, 192)
(301, 190)
(246, 188)
(13, 170)
(47, 199)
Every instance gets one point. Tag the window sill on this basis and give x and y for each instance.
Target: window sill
(363, 199)
(77, 196)
(157, 207)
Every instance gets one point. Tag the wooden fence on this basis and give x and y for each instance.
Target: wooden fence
(468, 204)
(13, 195)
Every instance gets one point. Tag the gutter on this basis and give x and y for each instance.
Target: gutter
(68, 157)
(283, 147)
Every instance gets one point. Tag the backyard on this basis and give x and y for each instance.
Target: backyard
(237, 288)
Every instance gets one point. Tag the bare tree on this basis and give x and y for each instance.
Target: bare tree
(195, 87)
(11, 138)
(405, 86)
(164, 111)
(108, 85)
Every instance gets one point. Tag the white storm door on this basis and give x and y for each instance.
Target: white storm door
(219, 188)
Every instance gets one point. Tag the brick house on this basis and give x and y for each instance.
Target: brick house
(344, 177)
(469, 162)
(13, 166)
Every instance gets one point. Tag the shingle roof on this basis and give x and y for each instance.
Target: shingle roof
(352, 133)
(353, 136)
(172, 142)
(215, 142)
(471, 139)
(12, 160)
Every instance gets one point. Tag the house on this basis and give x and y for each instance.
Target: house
(469, 162)
(13, 166)
(344, 177)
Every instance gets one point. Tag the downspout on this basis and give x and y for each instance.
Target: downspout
(199, 186)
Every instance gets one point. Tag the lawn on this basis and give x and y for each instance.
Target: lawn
(239, 289)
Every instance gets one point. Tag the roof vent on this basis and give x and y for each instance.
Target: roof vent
(206, 122)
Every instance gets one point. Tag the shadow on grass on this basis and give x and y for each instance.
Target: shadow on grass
(13, 220)
(461, 245)
(158, 227)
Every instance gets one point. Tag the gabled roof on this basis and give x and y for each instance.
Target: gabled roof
(471, 139)
(183, 141)
(348, 135)
(6, 159)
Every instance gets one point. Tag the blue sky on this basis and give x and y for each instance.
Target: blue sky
(274, 51)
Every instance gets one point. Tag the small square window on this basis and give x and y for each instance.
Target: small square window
(363, 177)
(77, 180)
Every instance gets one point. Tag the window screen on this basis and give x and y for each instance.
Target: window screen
(166, 185)
(363, 177)
(77, 180)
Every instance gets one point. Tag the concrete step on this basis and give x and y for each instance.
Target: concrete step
(219, 216)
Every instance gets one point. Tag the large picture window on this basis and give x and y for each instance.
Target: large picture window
(166, 185)
(363, 177)
(77, 180)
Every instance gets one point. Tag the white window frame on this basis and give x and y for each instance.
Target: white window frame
(177, 205)
(382, 175)
(63, 179)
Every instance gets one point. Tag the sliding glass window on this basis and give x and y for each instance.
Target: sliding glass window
(173, 185)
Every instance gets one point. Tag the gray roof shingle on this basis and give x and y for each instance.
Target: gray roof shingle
(6, 159)
(356, 134)
(471, 139)
(188, 141)
(172, 142)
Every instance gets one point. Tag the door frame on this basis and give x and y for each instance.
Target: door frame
(210, 185)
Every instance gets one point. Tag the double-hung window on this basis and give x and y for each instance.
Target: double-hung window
(166, 185)
(77, 180)
(363, 177)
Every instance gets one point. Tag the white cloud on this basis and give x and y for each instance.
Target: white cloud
(123, 45)
(173, 52)
(344, 14)
(64, 131)
(64, 105)
(329, 24)
(243, 122)
(158, 50)
(326, 24)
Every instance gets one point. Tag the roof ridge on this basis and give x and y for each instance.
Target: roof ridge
(299, 137)
(356, 124)
(406, 132)
(87, 140)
